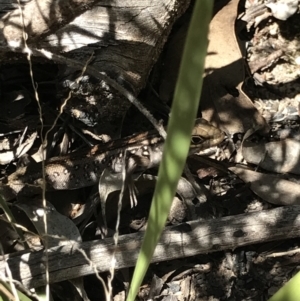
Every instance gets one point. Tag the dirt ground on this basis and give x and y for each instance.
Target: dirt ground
(261, 76)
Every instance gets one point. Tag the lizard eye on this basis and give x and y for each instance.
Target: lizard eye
(197, 139)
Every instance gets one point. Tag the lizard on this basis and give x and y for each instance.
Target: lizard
(84, 168)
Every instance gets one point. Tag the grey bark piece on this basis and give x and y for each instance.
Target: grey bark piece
(131, 34)
(126, 38)
(197, 237)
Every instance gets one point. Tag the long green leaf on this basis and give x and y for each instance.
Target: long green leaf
(290, 291)
(183, 114)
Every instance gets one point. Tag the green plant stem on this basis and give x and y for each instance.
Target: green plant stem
(183, 114)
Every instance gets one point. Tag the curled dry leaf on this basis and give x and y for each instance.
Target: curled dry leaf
(223, 101)
(61, 230)
(278, 156)
(9, 156)
(270, 188)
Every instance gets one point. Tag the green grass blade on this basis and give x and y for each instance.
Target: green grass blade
(183, 114)
(290, 291)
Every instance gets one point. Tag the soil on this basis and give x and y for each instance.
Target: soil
(254, 272)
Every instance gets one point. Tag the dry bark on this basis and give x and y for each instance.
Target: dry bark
(197, 237)
(126, 36)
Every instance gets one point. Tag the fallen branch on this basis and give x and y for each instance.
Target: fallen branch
(188, 239)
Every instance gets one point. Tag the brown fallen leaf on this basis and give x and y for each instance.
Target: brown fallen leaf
(223, 101)
(278, 156)
(60, 229)
(270, 188)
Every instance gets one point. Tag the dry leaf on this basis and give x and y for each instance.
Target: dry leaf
(23, 148)
(60, 229)
(223, 101)
(278, 156)
(270, 188)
